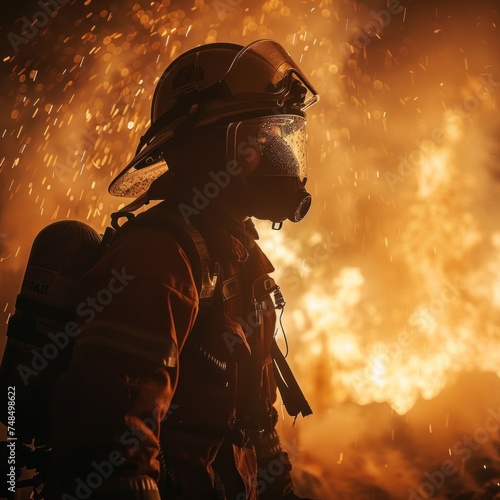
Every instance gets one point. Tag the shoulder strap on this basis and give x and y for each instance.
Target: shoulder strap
(188, 236)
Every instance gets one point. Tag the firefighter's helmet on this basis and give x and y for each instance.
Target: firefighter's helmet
(257, 87)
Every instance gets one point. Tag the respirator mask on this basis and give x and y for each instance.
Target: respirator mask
(270, 154)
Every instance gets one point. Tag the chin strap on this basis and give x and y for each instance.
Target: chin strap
(127, 210)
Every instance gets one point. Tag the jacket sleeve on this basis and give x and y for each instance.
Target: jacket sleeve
(138, 305)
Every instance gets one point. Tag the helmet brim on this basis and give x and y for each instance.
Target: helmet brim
(146, 166)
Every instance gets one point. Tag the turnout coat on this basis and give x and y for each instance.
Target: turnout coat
(170, 392)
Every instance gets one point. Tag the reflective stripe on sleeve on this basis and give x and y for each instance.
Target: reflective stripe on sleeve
(156, 347)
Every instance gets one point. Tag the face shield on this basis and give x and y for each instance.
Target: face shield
(268, 146)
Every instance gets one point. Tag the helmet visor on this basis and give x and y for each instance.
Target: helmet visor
(269, 145)
(265, 67)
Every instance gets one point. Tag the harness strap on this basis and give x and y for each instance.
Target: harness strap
(196, 248)
(189, 237)
(293, 397)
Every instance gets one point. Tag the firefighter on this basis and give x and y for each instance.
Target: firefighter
(171, 390)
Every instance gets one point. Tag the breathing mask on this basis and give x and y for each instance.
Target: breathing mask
(270, 152)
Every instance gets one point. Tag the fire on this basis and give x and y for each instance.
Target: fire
(376, 360)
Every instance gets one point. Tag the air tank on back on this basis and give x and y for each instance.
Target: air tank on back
(40, 333)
